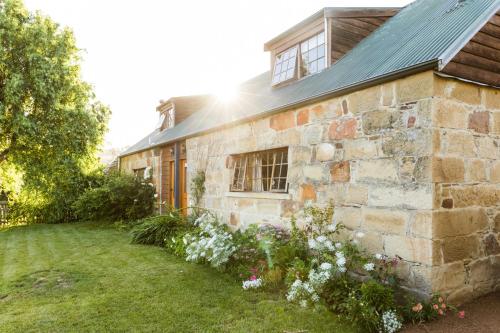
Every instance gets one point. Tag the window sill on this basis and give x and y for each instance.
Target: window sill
(259, 195)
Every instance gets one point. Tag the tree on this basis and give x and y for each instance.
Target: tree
(51, 124)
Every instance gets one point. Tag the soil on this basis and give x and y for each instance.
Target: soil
(481, 315)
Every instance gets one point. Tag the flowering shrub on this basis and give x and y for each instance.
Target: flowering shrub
(212, 243)
(314, 263)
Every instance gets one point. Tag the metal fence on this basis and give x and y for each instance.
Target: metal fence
(4, 210)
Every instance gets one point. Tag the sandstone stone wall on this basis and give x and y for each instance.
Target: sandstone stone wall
(466, 174)
(369, 152)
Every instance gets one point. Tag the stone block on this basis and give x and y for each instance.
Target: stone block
(458, 222)
(421, 226)
(388, 94)
(475, 171)
(465, 92)
(410, 249)
(348, 216)
(414, 142)
(487, 147)
(481, 270)
(340, 172)
(360, 149)
(312, 134)
(289, 208)
(356, 194)
(234, 219)
(423, 169)
(282, 121)
(459, 296)
(483, 195)
(495, 172)
(302, 117)
(383, 170)
(315, 172)
(448, 277)
(495, 123)
(450, 114)
(307, 193)
(342, 129)
(480, 122)
(365, 100)
(379, 120)
(460, 248)
(385, 221)
(448, 170)
(491, 98)
(325, 152)
(415, 87)
(372, 242)
(460, 143)
(409, 196)
(491, 246)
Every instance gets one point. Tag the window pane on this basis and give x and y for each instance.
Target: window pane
(321, 51)
(289, 74)
(313, 67)
(313, 42)
(313, 54)
(321, 38)
(321, 64)
(303, 47)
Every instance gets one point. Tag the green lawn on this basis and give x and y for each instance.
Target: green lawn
(82, 278)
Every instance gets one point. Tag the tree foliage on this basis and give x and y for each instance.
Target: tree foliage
(51, 124)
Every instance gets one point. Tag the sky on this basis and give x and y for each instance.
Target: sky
(136, 53)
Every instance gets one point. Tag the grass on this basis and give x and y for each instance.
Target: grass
(83, 278)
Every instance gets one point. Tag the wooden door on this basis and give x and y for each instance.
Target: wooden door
(171, 184)
(183, 184)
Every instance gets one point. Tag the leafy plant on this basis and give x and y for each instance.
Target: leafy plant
(118, 197)
(154, 230)
(197, 190)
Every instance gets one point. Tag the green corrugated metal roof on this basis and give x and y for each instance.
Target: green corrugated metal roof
(424, 33)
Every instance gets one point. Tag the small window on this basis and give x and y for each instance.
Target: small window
(284, 66)
(264, 171)
(139, 173)
(170, 117)
(313, 55)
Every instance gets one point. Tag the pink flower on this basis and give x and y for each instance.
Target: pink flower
(461, 314)
(443, 306)
(435, 307)
(440, 312)
(253, 278)
(417, 308)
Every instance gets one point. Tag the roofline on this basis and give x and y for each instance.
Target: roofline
(330, 12)
(172, 100)
(432, 64)
(461, 41)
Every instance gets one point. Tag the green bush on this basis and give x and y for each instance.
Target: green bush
(119, 197)
(156, 229)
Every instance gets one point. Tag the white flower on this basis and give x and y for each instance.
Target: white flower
(303, 303)
(331, 227)
(252, 284)
(360, 234)
(369, 267)
(341, 261)
(156, 195)
(326, 266)
(390, 322)
(378, 256)
(311, 243)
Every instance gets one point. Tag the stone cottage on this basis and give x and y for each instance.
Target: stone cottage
(392, 114)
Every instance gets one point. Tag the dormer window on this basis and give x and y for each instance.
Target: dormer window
(170, 118)
(312, 59)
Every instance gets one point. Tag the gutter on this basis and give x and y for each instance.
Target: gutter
(431, 64)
